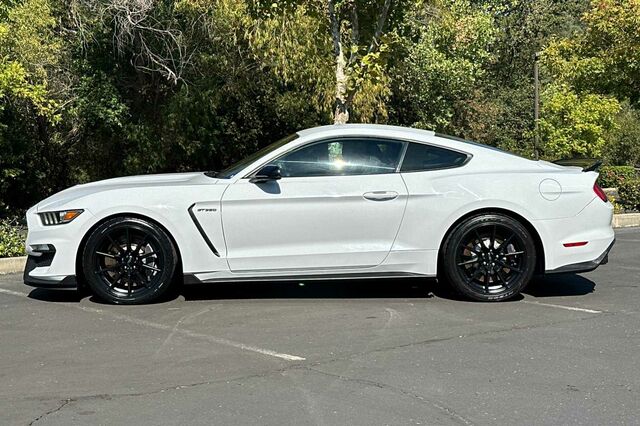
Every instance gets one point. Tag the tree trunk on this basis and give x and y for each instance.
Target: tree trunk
(343, 98)
(341, 115)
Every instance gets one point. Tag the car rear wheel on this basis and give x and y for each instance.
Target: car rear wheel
(129, 261)
(489, 257)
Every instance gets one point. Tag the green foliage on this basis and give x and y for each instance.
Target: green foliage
(617, 207)
(504, 117)
(11, 239)
(28, 48)
(629, 194)
(623, 142)
(91, 90)
(576, 125)
(595, 66)
(446, 59)
(614, 176)
(605, 57)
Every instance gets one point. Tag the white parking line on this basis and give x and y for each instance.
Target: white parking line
(207, 337)
(568, 308)
(158, 326)
(630, 268)
(13, 293)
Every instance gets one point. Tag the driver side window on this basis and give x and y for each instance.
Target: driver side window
(342, 157)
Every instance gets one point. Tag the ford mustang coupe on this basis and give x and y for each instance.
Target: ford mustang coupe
(345, 201)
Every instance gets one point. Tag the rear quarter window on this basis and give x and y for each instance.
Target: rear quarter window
(420, 157)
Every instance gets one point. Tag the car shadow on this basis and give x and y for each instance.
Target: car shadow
(315, 289)
(405, 288)
(558, 285)
(330, 289)
(56, 295)
(390, 288)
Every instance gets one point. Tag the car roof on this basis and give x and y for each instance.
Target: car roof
(373, 129)
(409, 133)
(386, 131)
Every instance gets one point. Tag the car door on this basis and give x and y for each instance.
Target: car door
(339, 204)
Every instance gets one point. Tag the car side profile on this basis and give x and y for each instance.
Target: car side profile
(341, 201)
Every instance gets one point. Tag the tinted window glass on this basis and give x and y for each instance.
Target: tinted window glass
(342, 157)
(427, 157)
(453, 138)
(231, 171)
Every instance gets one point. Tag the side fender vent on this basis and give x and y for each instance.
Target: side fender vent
(204, 235)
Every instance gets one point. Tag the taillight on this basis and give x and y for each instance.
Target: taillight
(599, 192)
(576, 244)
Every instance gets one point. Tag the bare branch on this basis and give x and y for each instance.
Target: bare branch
(335, 27)
(355, 32)
(382, 19)
(157, 46)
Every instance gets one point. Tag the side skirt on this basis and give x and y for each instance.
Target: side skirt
(192, 279)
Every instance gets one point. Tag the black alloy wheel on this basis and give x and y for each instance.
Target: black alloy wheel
(489, 257)
(129, 261)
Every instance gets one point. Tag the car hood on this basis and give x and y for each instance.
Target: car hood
(62, 199)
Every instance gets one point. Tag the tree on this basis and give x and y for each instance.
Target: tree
(605, 57)
(363, 63)
(29, 104)
(576, 125)
(598, 68)
(305, 39)
(98, 88)
(439, 82)
(523, 28)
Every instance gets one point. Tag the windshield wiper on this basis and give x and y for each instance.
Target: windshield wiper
(211, 174)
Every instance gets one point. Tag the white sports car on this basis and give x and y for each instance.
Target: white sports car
(351, 201)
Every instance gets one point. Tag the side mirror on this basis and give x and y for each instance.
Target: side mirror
(266, 174)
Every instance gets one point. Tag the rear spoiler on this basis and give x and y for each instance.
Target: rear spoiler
(587, 164)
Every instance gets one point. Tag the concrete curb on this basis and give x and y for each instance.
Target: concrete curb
(625, 220)
(12, 265)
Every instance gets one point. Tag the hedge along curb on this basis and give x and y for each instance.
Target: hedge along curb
(625, 220)
(12, 265)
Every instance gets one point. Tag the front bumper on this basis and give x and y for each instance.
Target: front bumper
(589, 266)
(52, 251)
(45, 260)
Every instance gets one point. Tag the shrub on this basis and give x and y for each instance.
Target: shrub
(613, 176)
(575, 124)
(623, 143)
(617, 207)
(629, 194)
(11, 239)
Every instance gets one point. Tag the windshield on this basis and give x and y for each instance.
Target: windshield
(232, 170)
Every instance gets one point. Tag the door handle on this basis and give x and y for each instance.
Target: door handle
(380, 195)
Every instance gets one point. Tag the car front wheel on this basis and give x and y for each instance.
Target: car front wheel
(129, 261)
(489, 257)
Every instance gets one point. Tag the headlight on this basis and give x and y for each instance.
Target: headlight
(58, 218)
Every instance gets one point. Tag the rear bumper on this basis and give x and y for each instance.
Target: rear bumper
(588, 266)
(580, 242)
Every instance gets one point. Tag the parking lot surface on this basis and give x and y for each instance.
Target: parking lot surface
(325, 353)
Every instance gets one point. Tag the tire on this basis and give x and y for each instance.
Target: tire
(129, 261)
(489, 257)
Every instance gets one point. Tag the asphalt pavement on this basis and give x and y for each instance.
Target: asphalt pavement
(329, 353)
